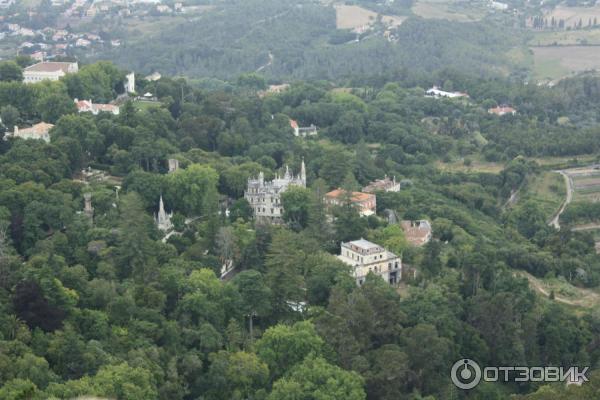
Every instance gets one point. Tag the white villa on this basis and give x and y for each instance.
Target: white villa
(437, 93)
(366, 257)
(303, 131)
(265, 197)
(51, 71)
(95, 108)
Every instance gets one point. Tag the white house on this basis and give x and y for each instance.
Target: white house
(303, 131)
(89, 106)
(365, 257)
(47, 70)
(437, 93)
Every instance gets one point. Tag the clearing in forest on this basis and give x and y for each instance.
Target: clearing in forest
(559, 61)
(352, 17)
(564, 292)
(459, 11)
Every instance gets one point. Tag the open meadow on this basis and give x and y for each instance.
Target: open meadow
(459, 11)
(560, 61)
(352, 17)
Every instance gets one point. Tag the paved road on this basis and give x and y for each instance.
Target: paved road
(569, 184)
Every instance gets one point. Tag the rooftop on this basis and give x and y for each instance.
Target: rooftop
(48, 66)
(364, 244)
(356, 196)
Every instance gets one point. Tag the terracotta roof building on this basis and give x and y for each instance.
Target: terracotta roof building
(417, 233)
(366, 203)
(89, 106)
(39, 131)
(502, 110)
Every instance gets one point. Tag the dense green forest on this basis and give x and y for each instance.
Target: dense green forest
(105, 307)
(238, 36)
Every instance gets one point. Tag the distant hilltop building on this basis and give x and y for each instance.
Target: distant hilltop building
(39, 131)
(274, 89)
(265, 196)
(153, 76)
(89, 106)
(364, 257)
(48, 71)
(383, 185)
(498, 5)
(365, 203)
(163, 220)
(418, 232)
(436, 93)
(303, 131)
(502, 110)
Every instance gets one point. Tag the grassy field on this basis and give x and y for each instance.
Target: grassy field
(547, 190)
(566, 38)
(557, 62)
(460, 11)
(350, 17)
(475, 166)
(145, 105)
(586, 188)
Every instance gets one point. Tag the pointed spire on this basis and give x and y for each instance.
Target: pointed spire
(163, 220)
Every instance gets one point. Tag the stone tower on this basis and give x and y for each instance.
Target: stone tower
(173, 165)
(88, 210)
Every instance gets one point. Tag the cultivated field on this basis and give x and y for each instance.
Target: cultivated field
(587, 188)
(560, 61)
(459, 11)
(572, 15)
(475, 166)
(351, 17)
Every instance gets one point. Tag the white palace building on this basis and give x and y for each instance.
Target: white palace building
(366, 257)
(265, 196)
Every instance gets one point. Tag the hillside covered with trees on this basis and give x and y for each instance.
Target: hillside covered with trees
(104, 306)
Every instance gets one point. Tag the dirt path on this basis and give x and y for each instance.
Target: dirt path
(268, 64)
(569, 184)
(586, 298)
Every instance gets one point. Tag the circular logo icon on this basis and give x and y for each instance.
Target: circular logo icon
(465, 374)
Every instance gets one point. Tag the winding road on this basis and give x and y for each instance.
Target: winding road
(569, 184)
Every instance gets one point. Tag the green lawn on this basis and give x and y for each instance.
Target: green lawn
(146, 105)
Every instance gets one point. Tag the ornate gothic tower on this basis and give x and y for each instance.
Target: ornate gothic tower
(163, 220)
